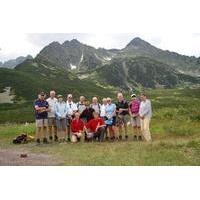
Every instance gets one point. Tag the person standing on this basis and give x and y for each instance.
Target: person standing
(81, 104)
(134, 107)
(122, 115)
(145, 113)
(41, 107)
(111, 118)
(87, 114)
(61, 113)
(72, 108)
(103, 109)
(103, 114)
(95, 105)
(51, 116)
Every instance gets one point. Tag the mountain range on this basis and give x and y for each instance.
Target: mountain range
(74, 66)
(14, 62)
(75, 55)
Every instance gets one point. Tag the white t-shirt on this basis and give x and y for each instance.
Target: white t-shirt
(71, 107)
(51, 102)
(96, 107)
(103, 110)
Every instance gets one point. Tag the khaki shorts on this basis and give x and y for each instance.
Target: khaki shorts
(122, 119)
(135, 121)
(52, 121)
(61, 124)
(41, 123)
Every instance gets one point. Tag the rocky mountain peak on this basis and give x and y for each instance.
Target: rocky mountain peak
(138, 43)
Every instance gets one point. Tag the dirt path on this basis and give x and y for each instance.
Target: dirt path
(11, 157)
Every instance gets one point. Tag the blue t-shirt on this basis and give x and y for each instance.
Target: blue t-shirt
(110, 108)
(41, 115)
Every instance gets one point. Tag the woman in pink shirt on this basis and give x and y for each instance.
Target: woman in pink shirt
(134, 113)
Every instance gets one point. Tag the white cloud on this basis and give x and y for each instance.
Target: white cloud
(14, 45)
(171, 24)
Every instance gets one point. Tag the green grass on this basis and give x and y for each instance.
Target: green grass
(175, 128)
(165, 149)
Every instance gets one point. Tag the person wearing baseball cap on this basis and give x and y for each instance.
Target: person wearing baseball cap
(41, 107)
(134, 107)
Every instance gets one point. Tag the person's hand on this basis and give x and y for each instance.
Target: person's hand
(120, 110)
(97, 129)
(133, 115)
(48, 109)
(42, 109)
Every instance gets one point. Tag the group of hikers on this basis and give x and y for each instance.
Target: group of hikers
(66, 121)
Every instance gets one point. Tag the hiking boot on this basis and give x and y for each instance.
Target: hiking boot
(135, 137)
(45, 141)
(38, 141)
(120, 137)
(78, 139)
(50, 138)
(55, 138)
(68, 139)
(140, 138)
(126, 137)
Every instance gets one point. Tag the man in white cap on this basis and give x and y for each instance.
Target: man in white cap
(72, 109)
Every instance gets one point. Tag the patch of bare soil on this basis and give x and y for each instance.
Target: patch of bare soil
(11, 157)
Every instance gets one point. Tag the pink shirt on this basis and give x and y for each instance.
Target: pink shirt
(135, 106)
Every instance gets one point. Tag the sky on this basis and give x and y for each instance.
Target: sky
(20, 44)
(167, 24)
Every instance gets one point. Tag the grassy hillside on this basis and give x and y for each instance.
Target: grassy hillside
(32, 76)
(138, 47)
(175, 130)
(129, 72)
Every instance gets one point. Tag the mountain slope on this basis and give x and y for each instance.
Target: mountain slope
(128, 72)
(74, 55)
(32, 76)
(139, 47)
(80, 57)
(14, 62)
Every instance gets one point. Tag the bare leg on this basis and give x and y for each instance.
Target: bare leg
(114, 131)
(125, 128)
(68, 131)
(38, 132)
(55, 130)
(120, 130)
(50, 131)
(45, 132)
(110, 131)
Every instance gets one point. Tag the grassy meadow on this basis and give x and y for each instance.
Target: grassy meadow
(175, 129)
